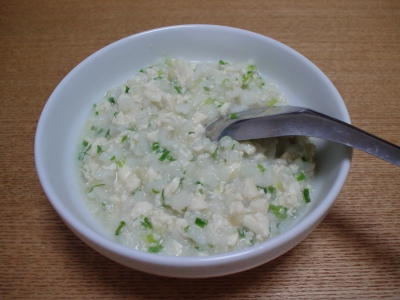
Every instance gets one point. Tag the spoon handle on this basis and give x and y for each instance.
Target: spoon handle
(313, 124)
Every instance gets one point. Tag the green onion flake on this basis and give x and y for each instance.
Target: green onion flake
(214, 155)
(155, 146)
(121, 163)
(146, 223)
(300, 176)
(261, 168)
(118, 231)
(201, 222)
(234, 116)
(165, 155)
(155, 248)
(278, 210)
(95, 186)
(177, 89)
(150, 238)
(111, 100)
(306, 195)
(242, 232)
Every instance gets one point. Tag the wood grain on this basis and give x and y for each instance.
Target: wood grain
(354, 253)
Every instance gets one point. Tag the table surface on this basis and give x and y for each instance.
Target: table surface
(355, 251)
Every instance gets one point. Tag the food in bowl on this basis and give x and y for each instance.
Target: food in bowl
(158, 184)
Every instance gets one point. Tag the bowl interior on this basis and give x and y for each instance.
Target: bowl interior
(70, 103)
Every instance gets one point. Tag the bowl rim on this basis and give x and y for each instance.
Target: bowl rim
(301, 228)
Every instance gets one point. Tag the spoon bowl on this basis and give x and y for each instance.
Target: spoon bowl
(279, 121)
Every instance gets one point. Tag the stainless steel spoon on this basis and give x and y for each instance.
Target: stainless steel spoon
(279, 121)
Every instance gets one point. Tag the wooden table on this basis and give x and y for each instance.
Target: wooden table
(354, 253)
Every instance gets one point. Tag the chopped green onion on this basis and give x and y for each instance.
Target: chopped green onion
(115, 114)
(278, 210)
(194, 158)
(201, 191)
(135, 191)
(186, 228)
(279, 185)
(155, 191)
(272, 102)
(88, 148)
(242, 232)
(165, 155)
(261, 168)
(93, 128)
(222, 63)
(155, 248)
(177, 89)
(191, 132)
(306, 195)
(111, 100)
(146, 223)
(112, 158)
(263, 188)
(271, 189)
(118, 231)
(181, 182)
(157, 78)
(150, 238)
(121, 163)
(300, 176)
(247, 77)
(155, 146)
(214, 155)
(131, 129)
(141, 71)
(201, 222)
(198, 182)
(124, 138)
(84, 143)
(126, 89)
(95, 186)
(233, 146)
(99, 149)
(197, 248)
(206, 88)
(213, 100)
(251, 68)
(96, 113)
(107, 133)
(234, 116)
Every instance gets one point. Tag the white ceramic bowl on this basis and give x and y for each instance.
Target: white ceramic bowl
(70, 103)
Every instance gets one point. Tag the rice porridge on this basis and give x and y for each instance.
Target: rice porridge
(157, 184)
